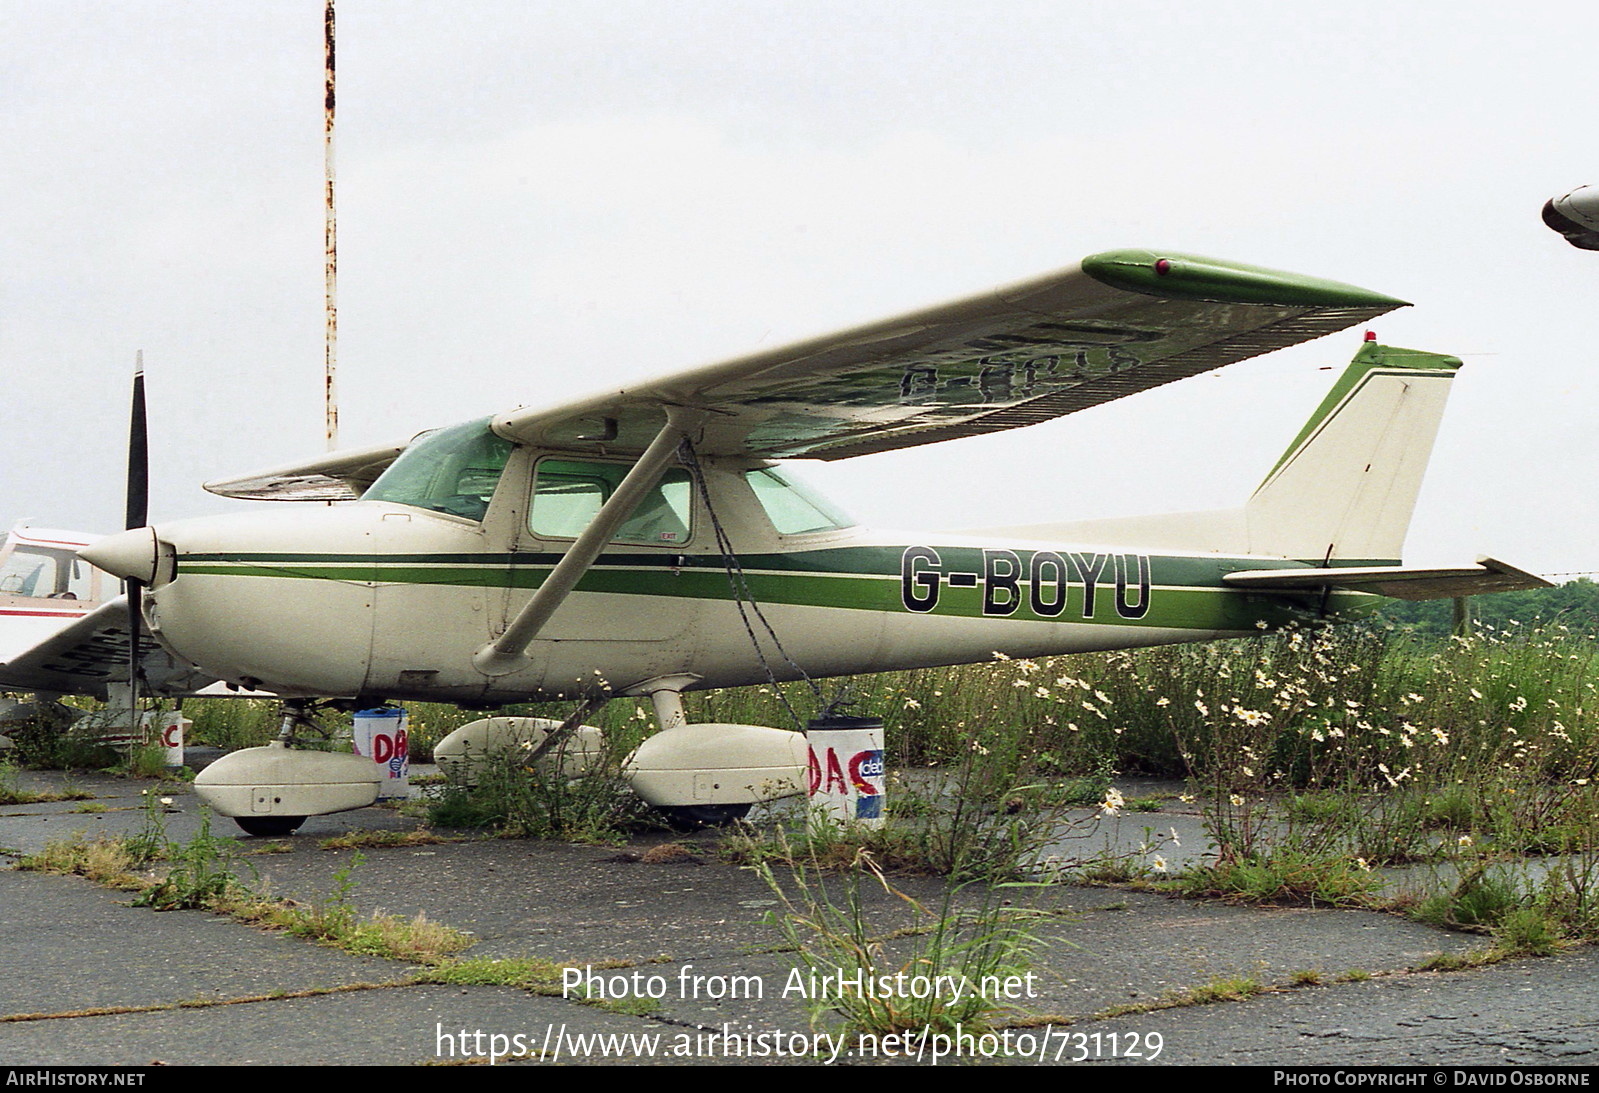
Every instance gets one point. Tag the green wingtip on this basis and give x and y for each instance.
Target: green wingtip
(1190, 277)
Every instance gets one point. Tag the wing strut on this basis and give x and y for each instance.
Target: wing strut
(504, 655)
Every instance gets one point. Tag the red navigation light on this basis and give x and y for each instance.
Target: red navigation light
(1371, 335)
(1162, 266)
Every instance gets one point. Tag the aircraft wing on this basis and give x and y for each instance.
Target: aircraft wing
(336, 476)
(81, 655)
(1117, 323)
(1398, 582)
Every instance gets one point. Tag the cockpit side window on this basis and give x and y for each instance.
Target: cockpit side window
(793, 509)
(46, 574)
(29, 573)
(567, 494)
(453, 471)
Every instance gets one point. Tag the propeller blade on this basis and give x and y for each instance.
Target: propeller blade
(138, 455)
(138, 512)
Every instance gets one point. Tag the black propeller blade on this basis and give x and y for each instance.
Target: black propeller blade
(138, 510)
(138, 455)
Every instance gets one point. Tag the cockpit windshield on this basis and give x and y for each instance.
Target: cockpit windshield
(452, 470)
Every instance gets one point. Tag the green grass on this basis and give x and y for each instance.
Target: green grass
(12, 793)
(528, 802)
(1283, 878)
(380, 839)
(1221, 988)
(525, 973)
(976, 934)
(1480, 901)
(234, 723)
(106, 861)
(204, 874)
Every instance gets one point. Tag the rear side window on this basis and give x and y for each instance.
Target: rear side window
(568, 493)
(53, 574)
(793, 509)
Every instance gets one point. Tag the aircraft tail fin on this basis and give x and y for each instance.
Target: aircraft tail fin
(1345, 488)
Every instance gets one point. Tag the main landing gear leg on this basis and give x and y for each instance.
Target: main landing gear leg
(669, 715)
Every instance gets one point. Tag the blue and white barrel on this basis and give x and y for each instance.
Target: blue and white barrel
(380, 735)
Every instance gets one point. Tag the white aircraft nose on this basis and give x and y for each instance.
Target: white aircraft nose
(131, 555)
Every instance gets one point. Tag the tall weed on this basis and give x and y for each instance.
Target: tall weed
(947, 969)
(597, 806)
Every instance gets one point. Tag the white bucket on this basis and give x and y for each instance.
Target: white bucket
(846, 771)
(170, 728)
(380, 735)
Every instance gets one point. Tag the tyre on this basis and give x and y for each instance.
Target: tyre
(269, 826)
(695, 817)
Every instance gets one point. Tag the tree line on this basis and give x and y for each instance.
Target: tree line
(1574, 605)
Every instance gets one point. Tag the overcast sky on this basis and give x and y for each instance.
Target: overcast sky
(540, 199)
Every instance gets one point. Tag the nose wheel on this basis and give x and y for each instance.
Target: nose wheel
(698, 817)
(269, 826)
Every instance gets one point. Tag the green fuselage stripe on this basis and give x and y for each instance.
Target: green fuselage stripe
(1183, 592)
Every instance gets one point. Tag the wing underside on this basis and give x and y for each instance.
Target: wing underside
(1116, 324)
(83, 654)
(335, 476)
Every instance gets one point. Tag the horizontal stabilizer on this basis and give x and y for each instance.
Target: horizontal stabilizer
(1397, 581)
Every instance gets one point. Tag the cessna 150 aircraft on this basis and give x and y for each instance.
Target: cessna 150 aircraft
(64, 631)
(45, 590)
(615, 545)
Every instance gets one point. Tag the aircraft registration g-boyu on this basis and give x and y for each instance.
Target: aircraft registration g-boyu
(614, 545)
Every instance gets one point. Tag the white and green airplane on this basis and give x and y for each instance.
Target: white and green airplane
(616, 545)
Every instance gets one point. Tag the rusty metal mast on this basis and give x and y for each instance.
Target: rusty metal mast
(330, 268)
